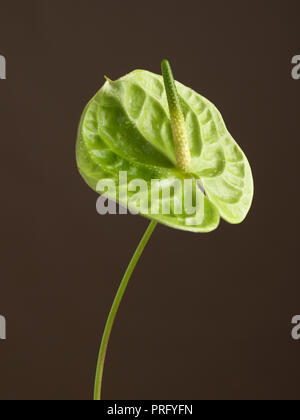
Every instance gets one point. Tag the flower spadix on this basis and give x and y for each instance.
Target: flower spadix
(183, 154)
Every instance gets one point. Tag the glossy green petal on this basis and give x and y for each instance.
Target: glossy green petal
(126, 128)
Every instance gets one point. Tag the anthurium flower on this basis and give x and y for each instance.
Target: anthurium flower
(149, 131)
(153, 128)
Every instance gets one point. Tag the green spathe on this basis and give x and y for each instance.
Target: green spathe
(127, 127)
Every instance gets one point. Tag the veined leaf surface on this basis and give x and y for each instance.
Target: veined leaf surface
(126, 128)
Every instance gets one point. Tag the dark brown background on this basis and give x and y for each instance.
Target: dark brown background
(205, 316)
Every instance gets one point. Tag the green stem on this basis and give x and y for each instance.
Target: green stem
(115, 307)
